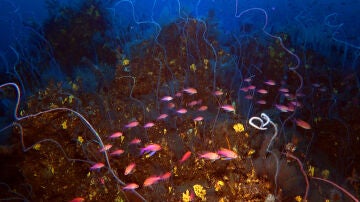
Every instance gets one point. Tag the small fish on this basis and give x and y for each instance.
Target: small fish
(296, 103)
(323, 89)
(162, 116)
(251, 87)
(249, 97)
(135, 141)
(151, 180)
(97, 166)
(218, 93)
(262, 102)
(77, 199)
(129, 169)
(171, 105)
(300, 95)
(284, 90)
(165, 176)
(248, 79)
(190, 91)
(130, 186)
(178, 94)
(282, 108)
(149, 125)
(181, 111)
(290, 108)
(228, 108)
(150, 148)
(117, 152)
(244, 89)
(262, 91)
(210, 156)
(167, 98)
(198, 118)
(185, 157)
(192, 103)
(105, 148)
(203, 108)
(115, 135)
(302, 124)
(227, 154)
(270, 82)
(132, 124)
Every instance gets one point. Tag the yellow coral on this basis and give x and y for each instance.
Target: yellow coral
(126, 62)
(37, 146)
(311, 171)
(206, 62)
(64, 124)
(186, 196)
(218, 185)
(238, 127)
(325, 174)
(193, 67)
(80, 139)
(298, 198)
(200, 191)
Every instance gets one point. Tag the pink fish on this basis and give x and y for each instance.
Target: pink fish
(151, 180)
(130, 186)
(117, 152)
(178, 94)
(185, 157)
(249, 97)
(132, 124)
(190, 91)
(192, 103)
(135, 141)
(77, 199)
(218, 93)
(262, 91)
(251, 87)
(248, 79)
(262, 102)
(244, 89)
(150, 148)
(181, 111)
(300, 95)
(302, 124)
(227, 154)
(198, 118)
(149, 125)
(282, 108)
(97, 166)
(105, 148)
(129, 169)
(171, 105)
(210, 156)
(270, 82)
(115, 135)
(296, 103)
(167, 98)
(290, 108)
(162, 116)
(228, 108)
(284, 90)
(203, 108)
(165, 176)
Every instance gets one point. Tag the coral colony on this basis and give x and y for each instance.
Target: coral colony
(169, 111)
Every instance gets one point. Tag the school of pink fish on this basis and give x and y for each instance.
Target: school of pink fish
(196, 109)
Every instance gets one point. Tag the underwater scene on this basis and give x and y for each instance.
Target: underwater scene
(179, 100)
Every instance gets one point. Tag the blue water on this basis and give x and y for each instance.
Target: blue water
(310, 49)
